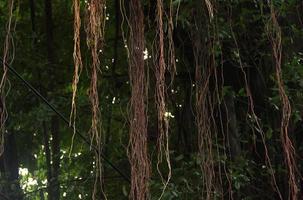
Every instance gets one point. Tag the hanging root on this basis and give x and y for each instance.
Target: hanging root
(288, 148)
(137, 153)
(163, 145)
(255, 118)
(206, 122)
(95, 38)
(204, 131)
(204, 104)
(171, 47)
(77, 65)
(202, 118)
(8, 56)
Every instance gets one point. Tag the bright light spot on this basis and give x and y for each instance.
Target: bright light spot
(107, 18)
(174, 91)
(177, 60)
(77, 154)
(168, 115)
(44, 182)
(145, 54)
(106, 66)
(113, 101)
(23, 171)
(27, 181)
(31, 182)
(113, 60)
(80, 196)
(180, 106)
(64, 194)
(35, 155)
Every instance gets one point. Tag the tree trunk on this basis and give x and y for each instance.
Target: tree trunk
(54, 191)
(55, 158)
(10, 170)
(232, 126)
(48, 160)
(33, 20)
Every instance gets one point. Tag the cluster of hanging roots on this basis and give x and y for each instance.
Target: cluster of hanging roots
(138, 154)
(94, 26)
(287, 146)
(205, 107)
(205, 99)
(205, 102)
(8, 56)
(95, 21)
(255, 118)
(204, 125)
(160, 69)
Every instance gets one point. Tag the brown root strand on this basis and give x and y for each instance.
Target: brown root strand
(255, 118)
(138, 153)
(8, 56)
(95, 24)
(203, 121)
(77, 64)
(172, 68)
(288, 148)
(205, 102)
(163, 140)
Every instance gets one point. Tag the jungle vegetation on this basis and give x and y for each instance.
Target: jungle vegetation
(151, 99)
